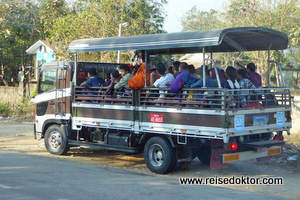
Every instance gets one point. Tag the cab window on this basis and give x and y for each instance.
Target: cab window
(47, 80)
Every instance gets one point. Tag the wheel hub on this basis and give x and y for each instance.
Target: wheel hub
(156, 155)
(55, 140)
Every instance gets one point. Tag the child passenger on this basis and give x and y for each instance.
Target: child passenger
(115, 78)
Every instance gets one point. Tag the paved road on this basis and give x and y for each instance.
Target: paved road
(32, 177)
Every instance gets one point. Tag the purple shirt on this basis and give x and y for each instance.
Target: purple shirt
(255, 78)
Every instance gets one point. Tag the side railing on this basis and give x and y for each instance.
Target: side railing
(195, 98)
(258, 98)
(98, 95)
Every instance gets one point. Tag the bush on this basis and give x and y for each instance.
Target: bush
(5, 109)
(24, 109)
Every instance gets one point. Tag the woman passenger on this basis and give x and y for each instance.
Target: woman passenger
(245, 83)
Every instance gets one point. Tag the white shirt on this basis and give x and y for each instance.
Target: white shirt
(233, 85)
(163, 82)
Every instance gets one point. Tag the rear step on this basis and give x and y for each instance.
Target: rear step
(265, 143)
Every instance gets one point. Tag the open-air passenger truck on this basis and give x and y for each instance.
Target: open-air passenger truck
(169, 131)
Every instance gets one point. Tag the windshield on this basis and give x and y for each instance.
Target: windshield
(47, 80)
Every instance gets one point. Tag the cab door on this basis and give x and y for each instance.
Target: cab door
(45, 98)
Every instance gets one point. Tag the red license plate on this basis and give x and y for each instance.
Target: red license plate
(157, 118)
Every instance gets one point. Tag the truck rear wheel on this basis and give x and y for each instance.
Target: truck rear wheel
(159, 155)
(56, 141)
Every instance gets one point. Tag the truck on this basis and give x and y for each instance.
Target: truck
(169, 131)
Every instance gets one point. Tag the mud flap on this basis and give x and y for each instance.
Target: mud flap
(217, 148)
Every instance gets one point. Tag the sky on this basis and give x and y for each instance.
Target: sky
(177, 8)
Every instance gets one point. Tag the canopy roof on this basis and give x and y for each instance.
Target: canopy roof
(219, 40)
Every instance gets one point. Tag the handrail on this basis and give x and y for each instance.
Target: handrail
(280, 70)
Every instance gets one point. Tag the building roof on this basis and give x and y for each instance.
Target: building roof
(34, 48)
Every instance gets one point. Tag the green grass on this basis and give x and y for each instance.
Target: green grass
(5, 109)
(18, 110)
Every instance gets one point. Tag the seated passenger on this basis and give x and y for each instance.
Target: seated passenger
(209, 82)
(184, 78)
(254, 77)
(230, 75)
(175, 68)
(138, 81)
(221, 74)
(164, 81)
(123, 83)
(94, 80)
(170, 70)
(191, 68)
(245, 83)
(115, 78)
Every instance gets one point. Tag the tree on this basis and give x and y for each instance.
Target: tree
(277, 14)
(195, 19)
(50, 12)
(18, 31)
(100, 19)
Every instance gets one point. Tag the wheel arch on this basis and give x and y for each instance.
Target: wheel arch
(51, 122)
(143, 140)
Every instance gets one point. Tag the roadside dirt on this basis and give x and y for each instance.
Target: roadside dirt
(18, 136)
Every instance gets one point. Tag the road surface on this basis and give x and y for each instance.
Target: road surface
(35, 177)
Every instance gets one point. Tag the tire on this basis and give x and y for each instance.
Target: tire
(159, 155)
(204, 154)
(56, 141)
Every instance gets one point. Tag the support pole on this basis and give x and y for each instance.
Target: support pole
(75, 70)
(146, 63)
(269, 68)
(204, 72)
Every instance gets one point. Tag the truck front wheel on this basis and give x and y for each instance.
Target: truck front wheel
(159, 155)
(56, 141)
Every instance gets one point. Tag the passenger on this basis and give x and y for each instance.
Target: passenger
(245, 83)
(123, 83)
(94, 80)
(230, 75)
(222, 78)
(254, 77)
(175, 68)
(184, 78)
(191, 68)
(164, 81)
(138, 81)
(209, 82)
(170, 70)
(153, 76)
(108, 79)
(115, 78)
